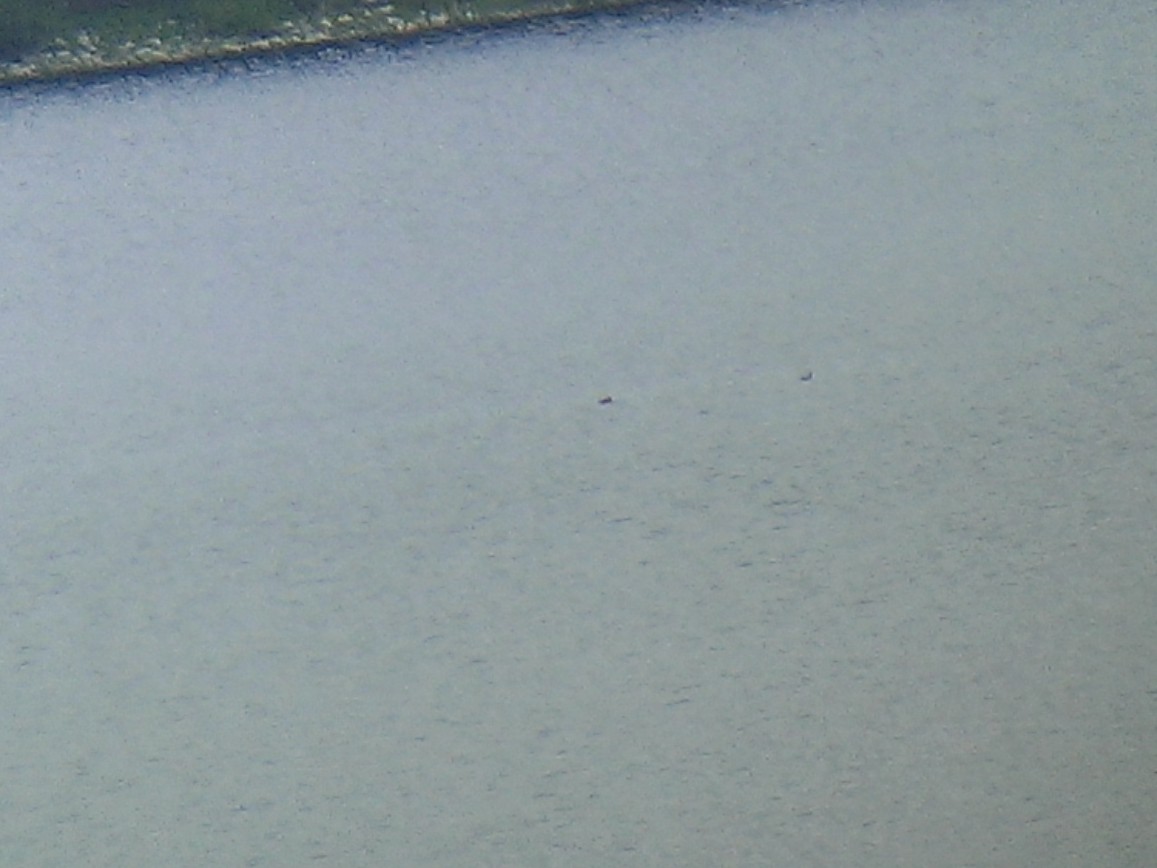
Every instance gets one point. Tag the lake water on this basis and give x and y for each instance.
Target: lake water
(321, 544)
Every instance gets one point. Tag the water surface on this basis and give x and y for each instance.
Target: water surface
(318, 544)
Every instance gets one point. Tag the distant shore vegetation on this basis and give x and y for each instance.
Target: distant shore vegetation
(30, 28)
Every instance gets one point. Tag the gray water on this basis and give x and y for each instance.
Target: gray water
(320, 547)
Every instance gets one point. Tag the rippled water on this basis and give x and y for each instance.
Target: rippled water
(320, 545)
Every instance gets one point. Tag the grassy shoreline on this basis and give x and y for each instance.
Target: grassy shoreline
(112, 39)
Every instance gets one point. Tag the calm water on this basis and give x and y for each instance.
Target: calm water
(319, 546)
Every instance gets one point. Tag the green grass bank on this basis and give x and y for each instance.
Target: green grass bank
(51, 39)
